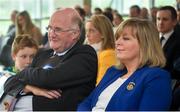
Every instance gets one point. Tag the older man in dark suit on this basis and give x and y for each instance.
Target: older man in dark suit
(63, 76)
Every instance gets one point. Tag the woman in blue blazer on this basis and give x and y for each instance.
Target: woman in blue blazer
(138, 82)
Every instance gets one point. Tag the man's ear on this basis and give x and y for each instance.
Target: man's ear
(76, 35)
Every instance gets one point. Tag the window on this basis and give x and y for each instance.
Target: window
(123, 5)
(39, 10)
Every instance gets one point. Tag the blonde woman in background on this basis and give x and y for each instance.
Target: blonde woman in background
(99, 34)
(24, 25)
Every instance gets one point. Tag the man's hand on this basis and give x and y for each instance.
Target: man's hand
(51, 94)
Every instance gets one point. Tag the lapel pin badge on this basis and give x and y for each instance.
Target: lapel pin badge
(130, 86)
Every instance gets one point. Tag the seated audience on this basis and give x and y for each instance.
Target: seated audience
(66, 73)
(139, 82)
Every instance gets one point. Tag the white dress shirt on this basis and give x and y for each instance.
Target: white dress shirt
(166, 37)
(106, 95)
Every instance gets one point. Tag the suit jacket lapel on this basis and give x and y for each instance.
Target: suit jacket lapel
(169, 41)
(69, 53)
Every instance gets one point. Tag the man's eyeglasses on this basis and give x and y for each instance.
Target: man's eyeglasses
(58, 30)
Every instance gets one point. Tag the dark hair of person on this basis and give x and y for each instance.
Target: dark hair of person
(171, 9)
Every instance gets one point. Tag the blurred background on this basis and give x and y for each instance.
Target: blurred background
(41, 10)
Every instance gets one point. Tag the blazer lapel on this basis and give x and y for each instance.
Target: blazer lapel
(169, 42)
(110, 79)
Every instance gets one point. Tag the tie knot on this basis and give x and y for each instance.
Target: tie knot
(161, 39)
(54, 55)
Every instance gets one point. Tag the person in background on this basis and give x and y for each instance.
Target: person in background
(117, 19)
(175, 106)
(178, 16)
(170, 41)
(153, 12)
(82, 14)
(134, 11)
(169, 34)
(97, 10)
(139, 82)
(87, 9)
(100, 35)
(178, 10)
(66, 72)
(24, 48)
(5, 51)
(144, 13)
(13, 19)
(109, 15)
(24, 25)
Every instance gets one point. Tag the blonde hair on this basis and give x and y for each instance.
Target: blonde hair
(151, 52)
(27, 28)
(104, 26)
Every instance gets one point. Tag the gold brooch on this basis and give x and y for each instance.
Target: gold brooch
(6, 105)
(130, 86)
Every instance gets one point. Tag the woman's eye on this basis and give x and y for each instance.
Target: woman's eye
(126, 38)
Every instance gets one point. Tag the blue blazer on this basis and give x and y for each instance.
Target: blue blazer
(146, 89)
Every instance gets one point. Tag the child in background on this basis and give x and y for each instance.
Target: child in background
(24, 48)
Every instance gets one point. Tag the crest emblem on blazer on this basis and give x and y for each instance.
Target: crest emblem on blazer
(130, 86)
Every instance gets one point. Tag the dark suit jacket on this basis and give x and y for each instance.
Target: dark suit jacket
(172, 52)
(74, 74)
(5, 54)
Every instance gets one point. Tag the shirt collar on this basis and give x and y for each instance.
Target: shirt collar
(60, 54)
(166, 35)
